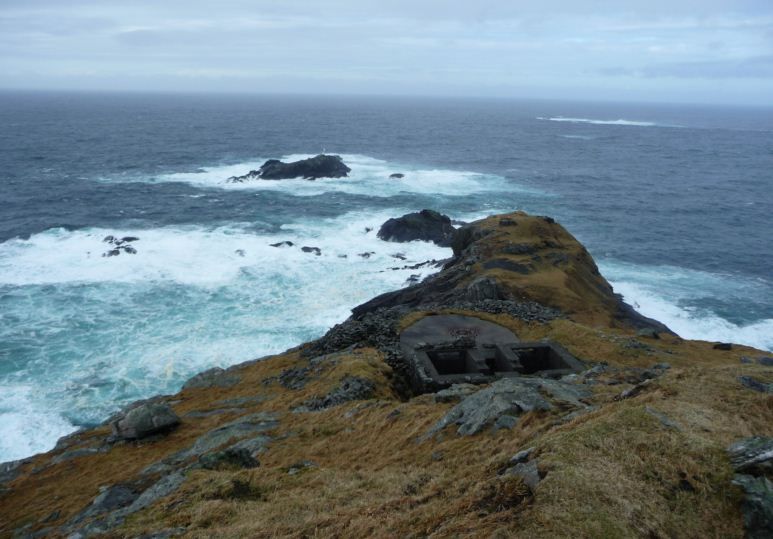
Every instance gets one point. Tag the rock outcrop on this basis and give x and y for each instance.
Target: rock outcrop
(320, 166)
(519, 258)
(632, 444)
(120, 245)
(145, 420)
(426, 225)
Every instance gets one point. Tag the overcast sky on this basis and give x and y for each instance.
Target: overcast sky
(642, 50)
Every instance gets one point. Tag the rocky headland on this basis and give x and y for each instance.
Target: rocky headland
(645, 435)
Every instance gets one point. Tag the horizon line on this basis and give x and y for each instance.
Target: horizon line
(397, 96)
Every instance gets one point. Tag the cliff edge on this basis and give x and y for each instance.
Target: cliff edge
(512, 394)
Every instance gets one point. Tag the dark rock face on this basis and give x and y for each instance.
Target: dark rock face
(351, 388)
(231, 457)
(113, 497)
(320, 166)
(145, 420)
(755, 385)
(316, 250)
(426, 225)
(120, 245)
(752, 458)
(215, 377)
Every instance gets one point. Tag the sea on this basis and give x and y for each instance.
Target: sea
(675, 203)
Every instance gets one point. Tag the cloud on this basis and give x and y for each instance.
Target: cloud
(755, 67)
(487, 47)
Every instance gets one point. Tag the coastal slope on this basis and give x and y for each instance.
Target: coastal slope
(332, 439)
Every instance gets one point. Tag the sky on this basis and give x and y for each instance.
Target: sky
(701, 51)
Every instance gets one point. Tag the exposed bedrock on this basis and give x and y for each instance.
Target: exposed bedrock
(320, 166)
(516, 258)
(426, 225)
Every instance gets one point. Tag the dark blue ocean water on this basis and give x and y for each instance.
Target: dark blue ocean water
(674, 202)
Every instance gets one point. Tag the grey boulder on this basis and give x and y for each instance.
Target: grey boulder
(508, 397)
(145, 420)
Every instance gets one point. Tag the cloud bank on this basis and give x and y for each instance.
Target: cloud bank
(706, 51)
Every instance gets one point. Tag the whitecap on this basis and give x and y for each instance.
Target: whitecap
(91, 333)
(602, 122)
(27, 424)
(369, 176)
(669, 294)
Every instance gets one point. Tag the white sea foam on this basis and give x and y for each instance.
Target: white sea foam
(669, 294)
(600, 122)
(103, 331)
(369, 176)
(27, 424)
(578, 137)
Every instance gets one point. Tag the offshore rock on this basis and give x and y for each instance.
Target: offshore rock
(320, 166)
(426, 225)
(145, 420)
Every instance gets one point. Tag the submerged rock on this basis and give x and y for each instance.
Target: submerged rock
(397, 176)
(426, 225)
(120, 245)
(320, 166)
(316, 250)
(145, 420)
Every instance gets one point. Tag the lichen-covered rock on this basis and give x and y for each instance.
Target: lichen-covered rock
(239, 428)
(231, 457)
(527, 471)
(455, 393)
(752, 455)
(507, 397)
(757, 506)
(145, 420)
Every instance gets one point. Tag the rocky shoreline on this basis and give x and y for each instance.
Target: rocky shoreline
(654, 436)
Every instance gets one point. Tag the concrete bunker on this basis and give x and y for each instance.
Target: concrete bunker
(442, 350)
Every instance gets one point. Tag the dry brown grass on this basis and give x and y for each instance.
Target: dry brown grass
(614, 472)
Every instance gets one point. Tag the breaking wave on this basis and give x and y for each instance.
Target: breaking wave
(88, 333)
(685, 300)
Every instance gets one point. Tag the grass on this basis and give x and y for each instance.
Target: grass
(616, 471)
